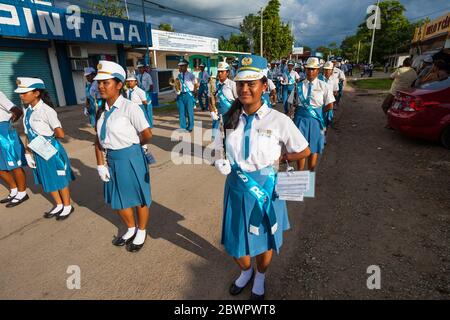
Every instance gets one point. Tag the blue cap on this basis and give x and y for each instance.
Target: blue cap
(251, 67)
(183, 62)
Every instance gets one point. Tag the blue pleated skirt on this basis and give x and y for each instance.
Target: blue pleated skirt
(12, 152)
(148, 112)
(55, 173)
(129, 185)
(310, 128)
(238, 206)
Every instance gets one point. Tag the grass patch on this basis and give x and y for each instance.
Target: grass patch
(166, 109)
(373, 84)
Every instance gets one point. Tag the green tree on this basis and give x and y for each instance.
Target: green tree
(236, 42)
(110, 8)
(166, 27)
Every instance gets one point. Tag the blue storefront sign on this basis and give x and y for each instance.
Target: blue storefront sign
(35, 19)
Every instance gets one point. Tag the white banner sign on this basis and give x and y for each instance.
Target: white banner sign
(174, 41)
(297, 50)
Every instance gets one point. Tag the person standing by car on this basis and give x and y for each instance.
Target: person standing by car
(403, 78)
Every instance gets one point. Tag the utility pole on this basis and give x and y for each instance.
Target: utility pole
(147, 53)
(359, 47)
(126, 8)
(261, 40)
(373, 33)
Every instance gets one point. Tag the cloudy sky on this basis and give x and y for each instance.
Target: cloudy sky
(315, 22)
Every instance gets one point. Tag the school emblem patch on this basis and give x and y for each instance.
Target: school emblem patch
(18, 82)
(99, 66)
(247, 61)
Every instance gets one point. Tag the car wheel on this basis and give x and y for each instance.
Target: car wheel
(445, 137)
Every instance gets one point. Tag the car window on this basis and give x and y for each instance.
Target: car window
(436, 85)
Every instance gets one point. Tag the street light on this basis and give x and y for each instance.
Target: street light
(261, 41)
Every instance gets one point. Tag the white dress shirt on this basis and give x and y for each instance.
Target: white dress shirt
(338, 74)
(321, 93)
(189, 80)
(270, 131)
(5, 106)
(332, 82)
(270, 86)
(144, 81)
(294, 77)
(123, 126)
(137, 95)
(43, 120)
(228, 89)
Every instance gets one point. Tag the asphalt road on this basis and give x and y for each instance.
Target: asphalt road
(382, 199)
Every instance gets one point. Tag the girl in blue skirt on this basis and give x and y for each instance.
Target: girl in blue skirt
(53, 172)
(312, 95)
(121, 131)
(12, 154)
(253, 218)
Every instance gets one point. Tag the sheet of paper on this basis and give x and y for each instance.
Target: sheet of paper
(42, 147)
(292, 185)
(310, 193)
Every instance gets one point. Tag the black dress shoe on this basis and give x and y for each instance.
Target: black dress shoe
(255, 297)
(49, 215)
(6, 200)
(131, 247)
(119, 241)
(60, 218)
(235, 290)
(12, 204)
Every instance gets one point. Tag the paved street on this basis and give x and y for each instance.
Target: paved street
(382, 199)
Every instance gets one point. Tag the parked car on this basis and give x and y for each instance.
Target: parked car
(423, 112)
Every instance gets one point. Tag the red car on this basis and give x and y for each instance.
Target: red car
(423, 112)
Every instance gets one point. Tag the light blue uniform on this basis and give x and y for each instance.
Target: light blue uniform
(186, 100)
(56, 173)
(95, 101)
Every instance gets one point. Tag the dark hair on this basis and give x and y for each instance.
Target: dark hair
(407, 62)
(233, 114)
(43, 94)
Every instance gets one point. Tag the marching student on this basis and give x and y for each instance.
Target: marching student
(139, 96)
(312, 96)
(339, 75)
(290, 77)
(270, 95)
(203, 79)
(121, 131)
(93, 100)
(12, 154)
(225, 95)
(334, 87)
(253, 226)
(51, 166)
(186, 98)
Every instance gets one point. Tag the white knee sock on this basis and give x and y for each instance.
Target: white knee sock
(57, 209)
(66, 210)
(244, 277)
(21, 194)
(13, 193)
(140, 237)
(258, 283)
(129, 233)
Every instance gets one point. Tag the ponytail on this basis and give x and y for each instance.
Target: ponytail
(45, 97)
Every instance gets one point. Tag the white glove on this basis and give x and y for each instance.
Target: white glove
(223, 166)
(214, 115)
(103, 172)
(30, 161)
(85, 111)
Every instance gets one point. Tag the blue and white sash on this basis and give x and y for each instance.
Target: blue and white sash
(184, 88)
(306, 103)
(223, 100)
(290, 79)
(263, 197)
(61, 165)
